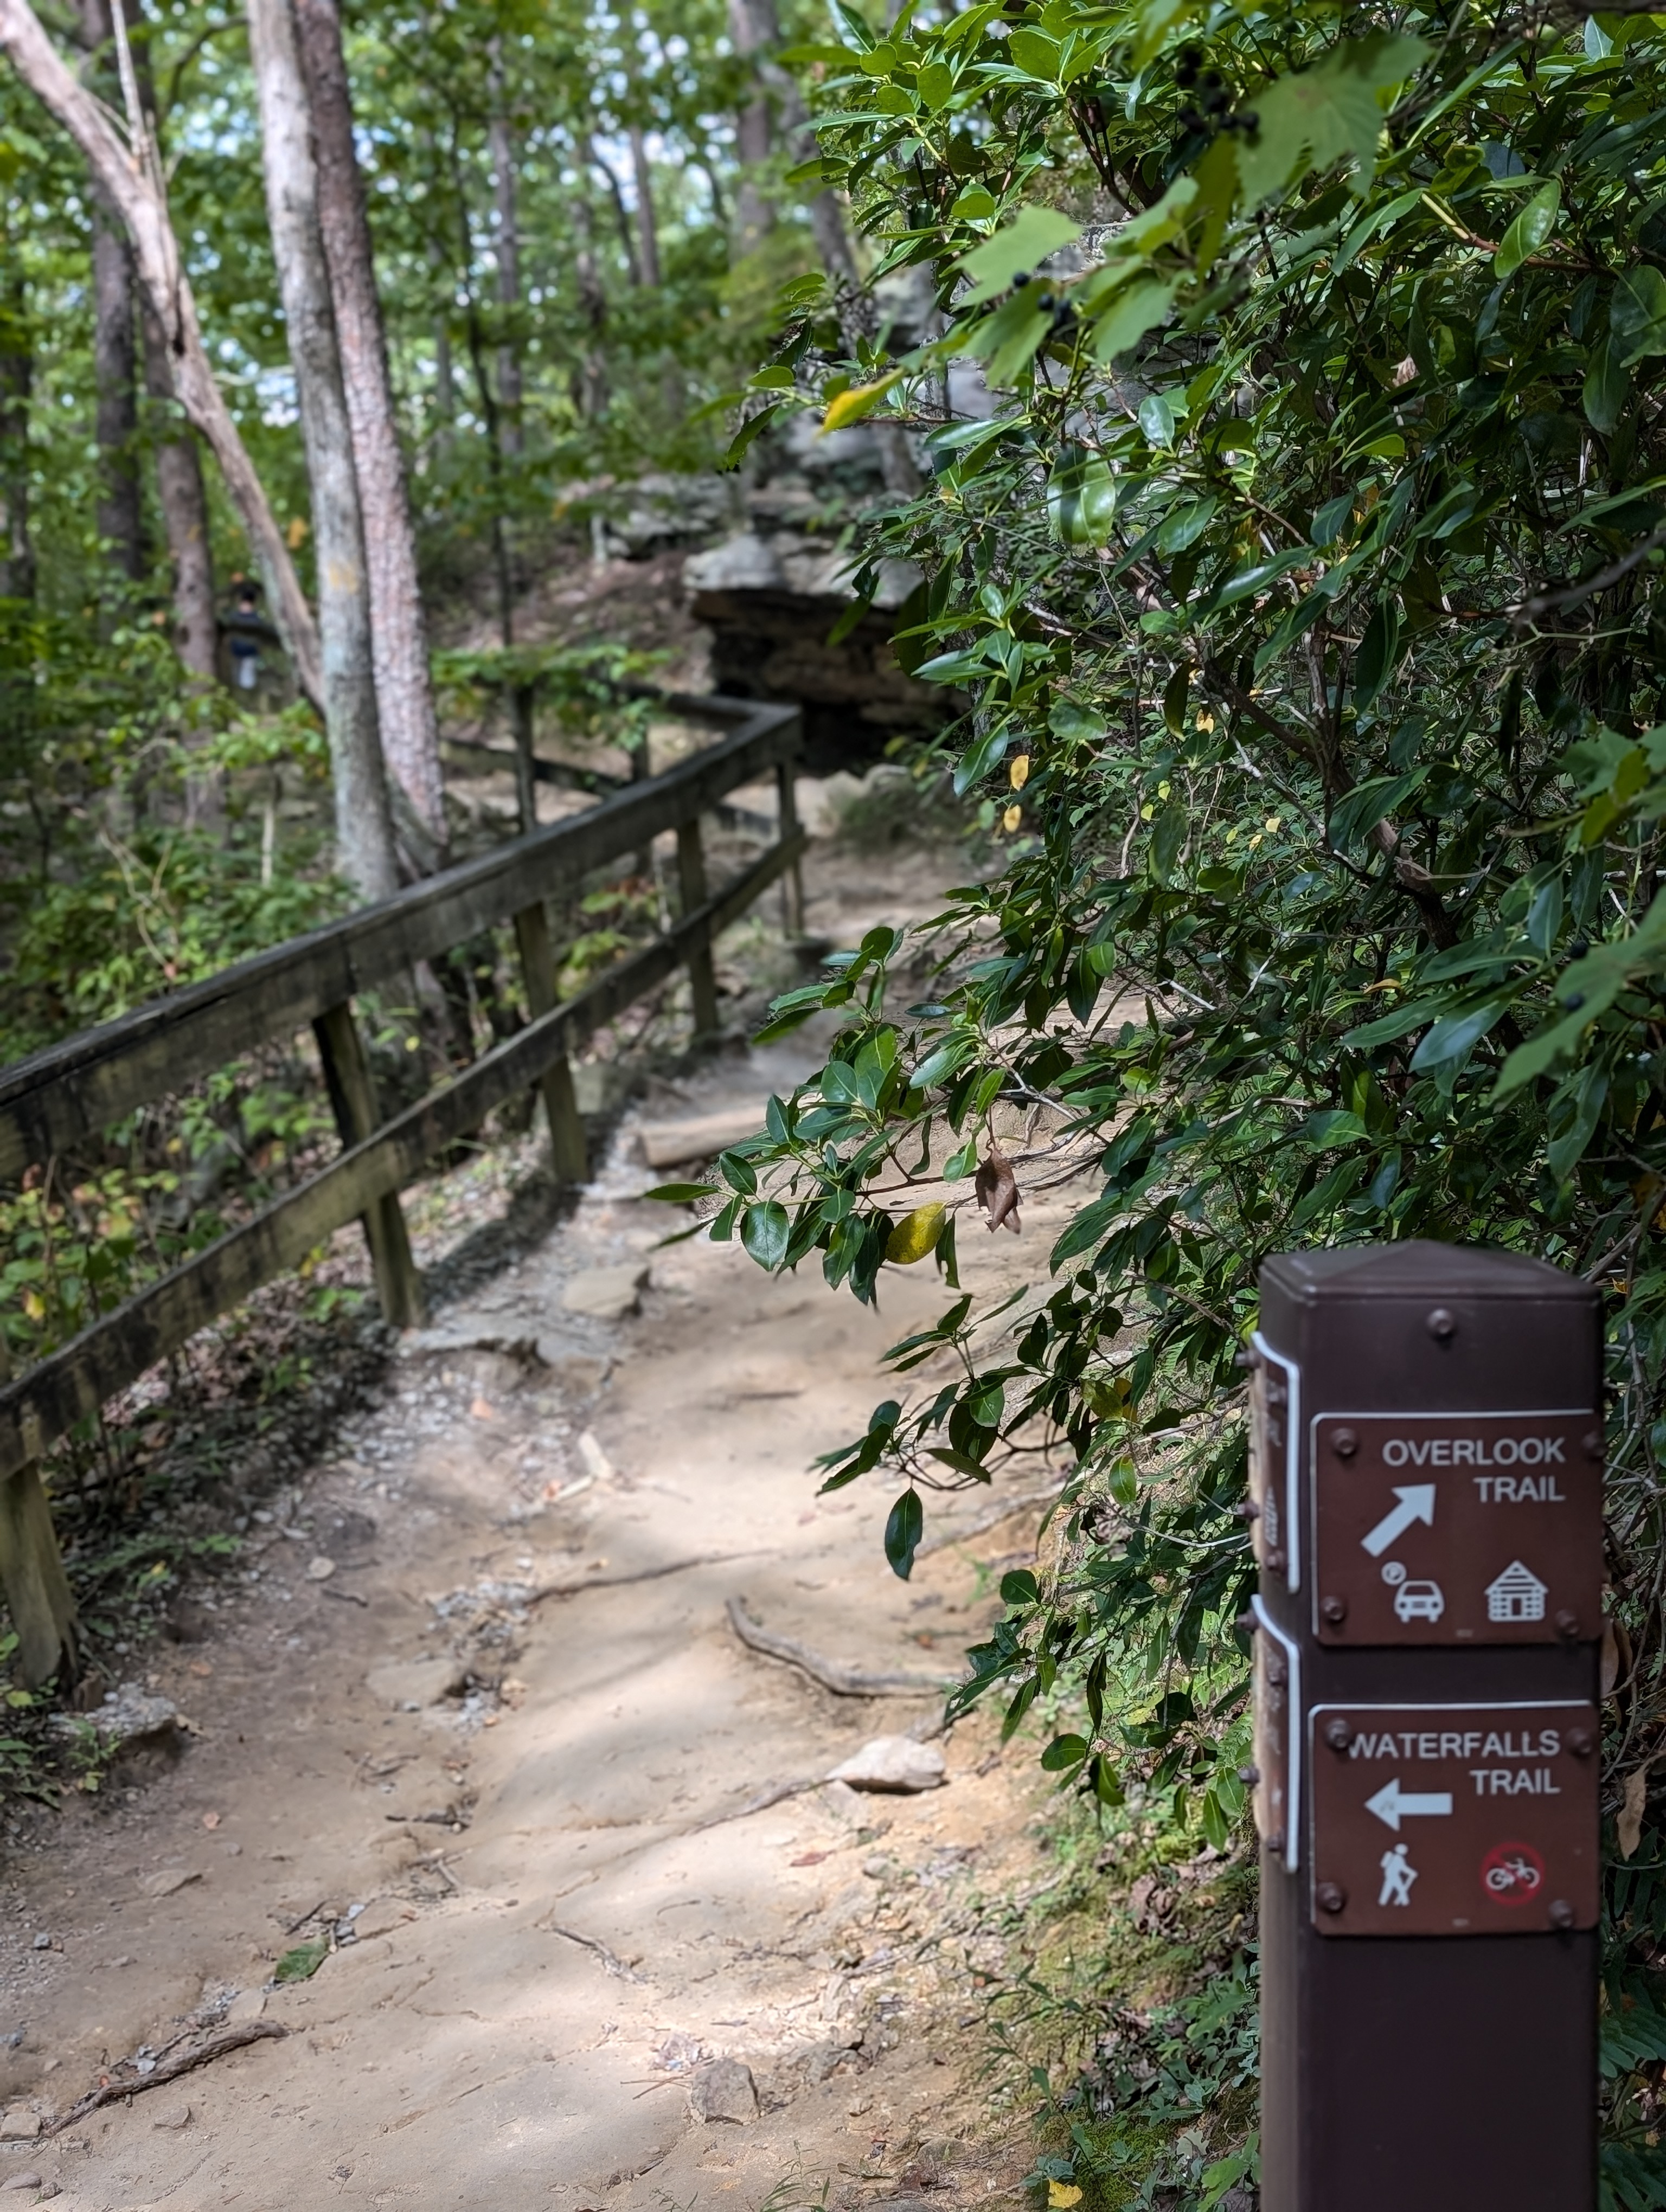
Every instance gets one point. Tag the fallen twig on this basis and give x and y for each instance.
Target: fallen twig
(843, 1681)
(641, 1575)
(217, 2046)
(611, 1960)
(347, 1597)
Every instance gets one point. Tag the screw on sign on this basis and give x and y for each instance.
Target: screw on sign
(1512, 1873)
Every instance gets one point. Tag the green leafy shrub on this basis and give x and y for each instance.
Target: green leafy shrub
(1304, 568)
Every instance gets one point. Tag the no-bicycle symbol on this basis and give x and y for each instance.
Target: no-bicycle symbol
(1512, 1873)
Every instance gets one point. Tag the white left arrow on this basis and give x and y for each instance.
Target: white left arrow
(1392, 1804)
(1417, 1502)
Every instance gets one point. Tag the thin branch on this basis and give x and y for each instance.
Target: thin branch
(110, 2092)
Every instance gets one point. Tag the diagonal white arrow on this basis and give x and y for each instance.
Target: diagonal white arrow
(1392, 1804)
(1417, 1502)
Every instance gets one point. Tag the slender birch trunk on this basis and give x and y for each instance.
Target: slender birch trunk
(647, 228)
(364, 835)
(507, 252)
(398, 626)
(133, 187)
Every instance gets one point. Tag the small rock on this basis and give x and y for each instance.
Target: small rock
(606, 1293)
(171, 2116)
(408, 1683)
(162, 1881)
(320, 1569)
(127, 1715)
(894, 1763)
(823, 2059)
(676, 1144)
(725, 2090)
(20, 2125)
(42, 1942)
(23, 2181)
(578, 1375)
(246, 2005)
(597, 1463)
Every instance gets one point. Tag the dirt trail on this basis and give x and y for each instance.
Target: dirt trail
(500, 1807)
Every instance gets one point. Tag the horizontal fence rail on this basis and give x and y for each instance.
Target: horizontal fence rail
(73, 1090)
(70, 1091)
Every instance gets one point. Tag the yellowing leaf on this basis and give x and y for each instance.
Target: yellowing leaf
(1019, 774)
(860, 399)
(1010, 819)
(916, 1235)
(1061, 2195)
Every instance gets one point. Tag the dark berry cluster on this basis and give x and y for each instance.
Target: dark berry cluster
(1213, 112)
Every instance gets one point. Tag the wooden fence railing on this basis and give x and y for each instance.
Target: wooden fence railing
(73, 1090)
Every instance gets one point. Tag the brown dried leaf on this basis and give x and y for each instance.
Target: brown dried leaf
(997, 1189)
(1629, 1826)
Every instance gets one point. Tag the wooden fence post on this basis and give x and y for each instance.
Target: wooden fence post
(522, 701)
(32, 1571)
(353, 1097)
(691, 880)
(792, 886)
(568, 1150)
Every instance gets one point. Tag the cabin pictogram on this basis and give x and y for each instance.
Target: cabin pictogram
(1518, 1594)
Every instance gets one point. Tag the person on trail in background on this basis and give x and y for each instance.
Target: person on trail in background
(246, 630)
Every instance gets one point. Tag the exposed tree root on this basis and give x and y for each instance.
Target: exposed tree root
(843, 1681)
(217, 2046)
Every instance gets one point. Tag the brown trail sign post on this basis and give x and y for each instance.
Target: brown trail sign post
(1426, 1509)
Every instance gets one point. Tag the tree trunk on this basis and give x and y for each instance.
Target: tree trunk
(489, 415)
(444, 372)
(621, 212)
(508, 250)
(590, 385)
(184, 500)
(648, 229)
(120, 511)
(754, 216)
(16, 385)
(181, 495)
(135, 191)
(364, 835)
(404, 692)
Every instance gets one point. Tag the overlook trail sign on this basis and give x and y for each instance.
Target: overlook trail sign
(1426, 1505)
(1457, 1527)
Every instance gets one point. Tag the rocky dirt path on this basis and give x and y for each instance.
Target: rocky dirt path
(476, 1721)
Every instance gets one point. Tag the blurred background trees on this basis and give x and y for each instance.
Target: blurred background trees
(577, 227)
